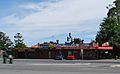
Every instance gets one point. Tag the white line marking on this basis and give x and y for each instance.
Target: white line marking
(83, 64)
(118, 65)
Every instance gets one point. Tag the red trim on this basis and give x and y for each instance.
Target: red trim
(84, 47)
(105, 48)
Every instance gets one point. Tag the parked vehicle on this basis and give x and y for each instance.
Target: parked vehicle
(58, 57)
(70, 57)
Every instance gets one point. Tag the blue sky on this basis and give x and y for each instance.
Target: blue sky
(48, 20)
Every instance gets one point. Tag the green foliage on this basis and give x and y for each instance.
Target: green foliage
(20, 45)
(108, 29)
(117, 11)
(77, 41)
(109, 32)
(115, 40)
(117, 4)
(5, 42)
(112, 12)
(19, 41)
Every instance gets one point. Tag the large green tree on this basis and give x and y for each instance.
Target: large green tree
(110, 32)
(110, 28)
(5, 42)
(19, 41)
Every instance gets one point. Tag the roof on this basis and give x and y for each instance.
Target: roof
(84, 47)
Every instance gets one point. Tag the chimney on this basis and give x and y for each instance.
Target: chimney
(57, 41)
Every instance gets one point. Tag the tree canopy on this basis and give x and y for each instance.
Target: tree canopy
(110, 29)
(19, 41)
(5, 42)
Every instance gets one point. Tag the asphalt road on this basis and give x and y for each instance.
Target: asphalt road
(60, 67)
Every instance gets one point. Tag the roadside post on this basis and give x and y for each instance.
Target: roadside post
(82, 53)
(5, 56)
(10, 59)
(4, 60)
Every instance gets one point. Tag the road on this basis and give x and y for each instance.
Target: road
(42, 66)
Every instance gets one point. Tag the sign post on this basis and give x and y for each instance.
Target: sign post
(82, 53)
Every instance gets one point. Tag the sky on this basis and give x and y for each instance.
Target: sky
(50, 20)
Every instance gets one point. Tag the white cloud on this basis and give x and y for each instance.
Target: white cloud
(59, 17)
(36, 7)
(9, 19)
(64, 13)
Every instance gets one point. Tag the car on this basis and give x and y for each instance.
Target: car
(58, 57)
(70, 57)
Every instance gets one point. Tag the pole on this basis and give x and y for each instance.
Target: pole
(10, 59)
(5, 57)
(82, 53)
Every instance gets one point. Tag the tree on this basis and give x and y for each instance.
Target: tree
(19, 41)
(107, 30)
(110, 28)
(77, 41)
(5, 42)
